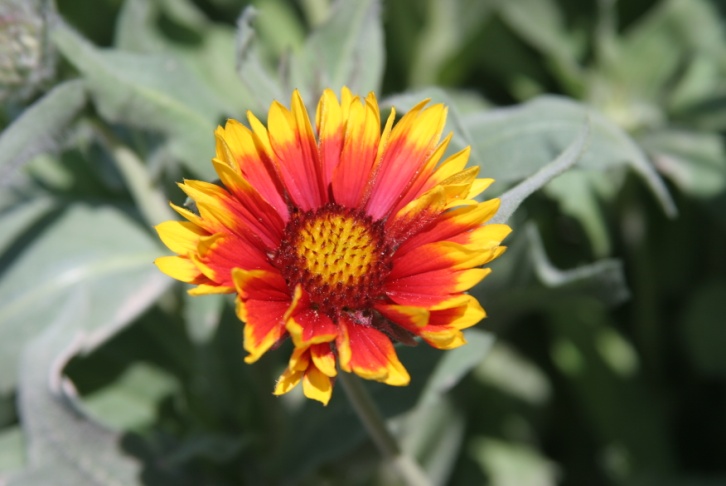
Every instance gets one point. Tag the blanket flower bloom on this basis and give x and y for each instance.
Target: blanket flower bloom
(345, 239)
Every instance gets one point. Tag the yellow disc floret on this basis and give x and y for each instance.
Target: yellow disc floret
(338, 255)
(338, 248)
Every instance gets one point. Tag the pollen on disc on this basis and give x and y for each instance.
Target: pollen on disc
(339, 256)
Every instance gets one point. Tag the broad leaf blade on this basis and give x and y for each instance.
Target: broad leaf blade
(40, 128)
(96, 247)
(695, 161)
(514, 143)
(152, 92)
(251, 68)
(511, 200)
(347, 50)
(65, 448)
(206, 48)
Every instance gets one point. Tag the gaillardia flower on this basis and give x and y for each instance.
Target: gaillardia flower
(344, 237)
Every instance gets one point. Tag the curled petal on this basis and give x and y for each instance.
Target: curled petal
(317, 385)
(307, 325)
(369, 353)
(304, 365)
(262, 303)
(324, 359)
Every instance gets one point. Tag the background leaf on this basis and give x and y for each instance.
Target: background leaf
(530, 135)
(206, 48)
(695, 161)
(151, 92)
(347, 50)
(65, 448)
(99, 248)
(40, 128)
(509, 464)
(251, 67)
(510, 200)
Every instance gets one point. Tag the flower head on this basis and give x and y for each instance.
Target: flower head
(344, 238)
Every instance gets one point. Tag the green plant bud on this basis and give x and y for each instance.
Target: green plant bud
(27, 59)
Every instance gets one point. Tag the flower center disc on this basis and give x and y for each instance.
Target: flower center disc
(338, 254)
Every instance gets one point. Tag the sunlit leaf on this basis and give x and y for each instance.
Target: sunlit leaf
(18, 215)
(97, 247)
(40, 128)
(206, 48)
(251, 68)
(65, 448)
(151, 92)
(511, 199)
(346, 50)
(511, 144)
(131, 401)
(511, 464)
(12, 449)
(695, 162)
(280, 29)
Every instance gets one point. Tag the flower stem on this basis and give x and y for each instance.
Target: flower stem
(407, 468)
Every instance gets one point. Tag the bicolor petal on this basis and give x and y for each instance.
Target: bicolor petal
(345, 239)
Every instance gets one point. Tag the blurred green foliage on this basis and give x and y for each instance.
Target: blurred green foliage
(603, 345)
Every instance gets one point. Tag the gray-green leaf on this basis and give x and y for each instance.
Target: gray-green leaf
(65, 448)
(347, 50)
(151, 92)
(40, 128)
(100, 248)
(512, 143)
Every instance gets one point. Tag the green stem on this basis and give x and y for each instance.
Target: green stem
(407, 468)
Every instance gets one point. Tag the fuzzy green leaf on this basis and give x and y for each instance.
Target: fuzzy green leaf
(97, 247)
(347, 50)
(41, 127)
(150, 92)
(511, 144)
(65, 447)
